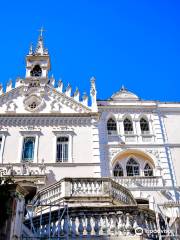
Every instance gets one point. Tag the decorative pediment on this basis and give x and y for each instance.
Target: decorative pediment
(45, 99)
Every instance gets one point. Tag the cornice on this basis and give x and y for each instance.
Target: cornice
(142, 145)
(47, 119)
(55, 164)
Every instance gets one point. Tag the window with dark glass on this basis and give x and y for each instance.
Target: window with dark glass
(28, 148)
(111, 126)
(118, 171)
(62, 149)
(128, 127)
(148, 171)
(36, 71)
(0, 142)
(144, 125)
(132, 167)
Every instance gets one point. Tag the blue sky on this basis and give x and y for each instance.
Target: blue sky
(131, 42)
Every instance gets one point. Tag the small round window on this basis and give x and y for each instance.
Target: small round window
(33, 105)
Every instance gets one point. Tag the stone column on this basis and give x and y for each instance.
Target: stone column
(11, 227)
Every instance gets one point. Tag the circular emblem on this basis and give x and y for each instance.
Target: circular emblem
(139, 231)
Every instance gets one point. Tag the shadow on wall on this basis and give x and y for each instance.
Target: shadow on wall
(50, 178)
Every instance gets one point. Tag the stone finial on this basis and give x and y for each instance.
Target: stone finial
(52, 80)
(68, 90)
(85, 99)
(60, 86)
(31, 49)
(18, 82)
(93, 94)
(1, 88)
(123, 89)
(76, 95)
(40, 50)
(9, 86)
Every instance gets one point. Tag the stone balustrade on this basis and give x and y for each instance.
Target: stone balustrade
(85, 222)
(81, 188)
(140, 182)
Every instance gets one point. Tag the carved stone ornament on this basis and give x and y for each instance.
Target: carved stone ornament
(55, 106)
(11, 106)
(34, 103)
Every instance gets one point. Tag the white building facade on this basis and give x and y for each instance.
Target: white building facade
(48, 134)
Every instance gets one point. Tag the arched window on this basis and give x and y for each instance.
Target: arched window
(148, 171)
(132, 168)
(118, 171)
(144, 125)
(111, 126)
(28, 148)
(128, 127)
(36, 71)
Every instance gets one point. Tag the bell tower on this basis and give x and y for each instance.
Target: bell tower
(38, 62)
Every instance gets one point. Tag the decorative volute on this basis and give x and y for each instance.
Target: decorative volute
(93, 94)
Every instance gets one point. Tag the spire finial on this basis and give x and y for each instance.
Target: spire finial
(41, 30)
(31, 49)
(40, 50)
(123, 88)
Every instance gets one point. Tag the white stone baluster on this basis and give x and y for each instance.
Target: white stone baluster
(73, 226)
(88, 225)
(53, 228)
(135, 223)
(61, 224)
(128, 225)
(45, 232)
(80, 227)
(66, 225)
(96, 226)
(120, 223)
(112, 223)
(79, 188)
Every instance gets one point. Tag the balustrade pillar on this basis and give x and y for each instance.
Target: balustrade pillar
(128, 225)
(88, 225)
(121, 225)
(96, 226)
(112, 223)
(73, 226)
(80, 227)
(104, 224)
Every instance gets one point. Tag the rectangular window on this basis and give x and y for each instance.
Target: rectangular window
(28, 148)
(0, 143)
(62, 149)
